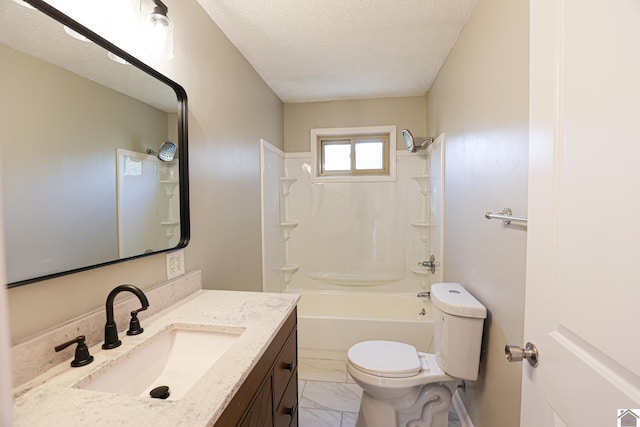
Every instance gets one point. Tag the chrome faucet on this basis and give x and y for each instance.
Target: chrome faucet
(427, 296)
(430, 265)
(110, 329)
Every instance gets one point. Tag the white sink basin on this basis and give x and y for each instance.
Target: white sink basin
(176, 357)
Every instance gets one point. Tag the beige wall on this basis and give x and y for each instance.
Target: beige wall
(299, 119)
(480, 100)
(230, 109)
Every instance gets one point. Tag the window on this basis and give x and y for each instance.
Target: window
(354, 154)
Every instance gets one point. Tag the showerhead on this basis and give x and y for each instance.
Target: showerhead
(408, 139)
(166, 152)
(412, 147)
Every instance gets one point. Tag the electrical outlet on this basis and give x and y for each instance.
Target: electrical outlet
(175, 264)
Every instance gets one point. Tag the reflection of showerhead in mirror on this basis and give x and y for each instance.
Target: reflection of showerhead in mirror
(166, 152)
(412, 147)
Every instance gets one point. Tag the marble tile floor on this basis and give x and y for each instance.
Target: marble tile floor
(328, 396)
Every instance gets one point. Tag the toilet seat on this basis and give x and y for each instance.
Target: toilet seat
(388, 359)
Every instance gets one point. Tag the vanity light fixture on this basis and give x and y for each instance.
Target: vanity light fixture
(147, 31)
(160, 32)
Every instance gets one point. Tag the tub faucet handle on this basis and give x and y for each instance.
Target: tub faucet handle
(430, 265)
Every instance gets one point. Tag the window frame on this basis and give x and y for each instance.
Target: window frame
(351, 136)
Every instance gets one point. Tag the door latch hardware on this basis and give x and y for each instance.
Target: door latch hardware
(513, 353)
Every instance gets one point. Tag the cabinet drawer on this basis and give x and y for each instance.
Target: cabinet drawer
(285, 366)
(287, 412)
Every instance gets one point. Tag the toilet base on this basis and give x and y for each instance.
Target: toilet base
(426, 406)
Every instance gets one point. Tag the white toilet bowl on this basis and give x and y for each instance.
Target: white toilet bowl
(396, 394)
(406, 388)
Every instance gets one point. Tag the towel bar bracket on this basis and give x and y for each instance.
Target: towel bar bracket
(506, 216)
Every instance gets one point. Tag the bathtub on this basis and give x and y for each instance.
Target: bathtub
(331, 322)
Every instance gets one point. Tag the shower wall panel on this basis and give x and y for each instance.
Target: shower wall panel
(358, 234)
(273, 250)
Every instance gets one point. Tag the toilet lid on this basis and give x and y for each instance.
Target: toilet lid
(385, 358)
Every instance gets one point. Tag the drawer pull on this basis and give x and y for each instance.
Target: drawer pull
(289, 411)
(288, 366)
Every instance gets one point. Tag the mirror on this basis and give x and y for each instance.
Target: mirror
(82, 183)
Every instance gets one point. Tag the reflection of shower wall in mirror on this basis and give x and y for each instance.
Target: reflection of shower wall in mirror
(148, 208)
(58, 181)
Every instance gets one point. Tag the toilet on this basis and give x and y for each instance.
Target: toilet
(407, 388)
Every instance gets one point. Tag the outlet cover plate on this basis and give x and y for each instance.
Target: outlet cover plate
(175, 264)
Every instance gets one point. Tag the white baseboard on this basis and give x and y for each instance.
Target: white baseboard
(461, 411)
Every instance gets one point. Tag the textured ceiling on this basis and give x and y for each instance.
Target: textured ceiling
(313, 50)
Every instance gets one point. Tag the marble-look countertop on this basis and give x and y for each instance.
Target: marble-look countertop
(57, 402)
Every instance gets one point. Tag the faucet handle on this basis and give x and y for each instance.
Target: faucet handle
(82, 356)
(134, 324)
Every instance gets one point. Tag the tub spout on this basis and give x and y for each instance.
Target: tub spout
(424, 295)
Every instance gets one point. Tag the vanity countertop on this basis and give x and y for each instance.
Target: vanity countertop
(57, 402)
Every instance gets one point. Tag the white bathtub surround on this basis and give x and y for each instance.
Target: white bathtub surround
(277, 228)
(369, 235)
(36, 355)
(57, 401)
(358, 230)
(331, 322)
(436, 159)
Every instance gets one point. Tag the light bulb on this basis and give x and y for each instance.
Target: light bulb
(160, 36)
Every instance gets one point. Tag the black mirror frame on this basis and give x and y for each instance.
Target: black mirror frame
(183, 163)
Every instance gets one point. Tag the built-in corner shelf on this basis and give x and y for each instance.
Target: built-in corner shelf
(169, 186)
(353, 279)
(423, 182)
(285, 183)
(423, 227)
(288, 270)
(286, 229)
(169, 228)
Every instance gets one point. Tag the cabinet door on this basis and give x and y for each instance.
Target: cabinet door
(259, 413)
(287, 411)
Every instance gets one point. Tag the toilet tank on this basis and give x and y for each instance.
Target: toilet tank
(459, 319)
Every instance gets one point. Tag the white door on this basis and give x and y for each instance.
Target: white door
(583, 254)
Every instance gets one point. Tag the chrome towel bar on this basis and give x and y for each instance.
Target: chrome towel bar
(506, 216)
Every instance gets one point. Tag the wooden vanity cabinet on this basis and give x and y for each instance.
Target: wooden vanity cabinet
(269, 395)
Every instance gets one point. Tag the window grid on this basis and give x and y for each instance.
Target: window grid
(352, 142)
